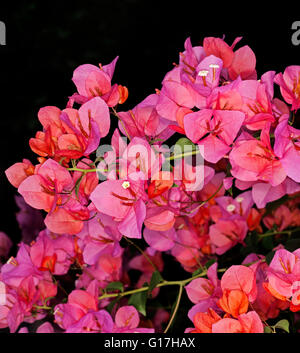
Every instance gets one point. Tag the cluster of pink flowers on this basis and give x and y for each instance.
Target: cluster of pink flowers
(72, 272)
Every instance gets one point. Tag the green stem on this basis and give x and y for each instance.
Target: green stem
(268, 234)
(175, 309)
(176, 156)
(205, 201)
(121, 122)
(86, 170)
(162, 284)
(42, 307)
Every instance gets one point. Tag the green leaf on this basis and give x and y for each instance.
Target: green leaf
(183, 141)
(111, 305)
(268, 243)
(228, 172)
(197, 272)
(283, 325)
(155, 280)
(267, 329)
(77, 185)
(138, 300)
(269, 257)
(115, 286)
(209, 263)
(179, 146)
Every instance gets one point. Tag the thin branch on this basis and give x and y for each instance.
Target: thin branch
(142, 252)
(175, 309)
(270, 233)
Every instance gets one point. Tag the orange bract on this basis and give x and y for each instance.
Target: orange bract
(234, 302)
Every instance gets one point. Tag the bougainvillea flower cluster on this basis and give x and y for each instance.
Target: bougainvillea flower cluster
(203, 174)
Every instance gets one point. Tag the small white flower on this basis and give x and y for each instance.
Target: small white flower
(125, 184)
(203, 73)
(214, 66)
(230, 208)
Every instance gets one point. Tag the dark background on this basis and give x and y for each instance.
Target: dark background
(47, 40)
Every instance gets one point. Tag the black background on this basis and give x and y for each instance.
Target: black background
(47, 40)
